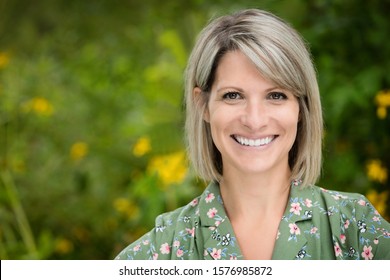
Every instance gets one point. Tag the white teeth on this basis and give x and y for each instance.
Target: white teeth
(254, 143)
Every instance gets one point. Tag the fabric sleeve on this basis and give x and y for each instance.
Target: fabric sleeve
(142, 249)
(373, 232)
(154, 245)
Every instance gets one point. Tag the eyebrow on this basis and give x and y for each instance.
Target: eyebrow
(241, 90)
(230, 88)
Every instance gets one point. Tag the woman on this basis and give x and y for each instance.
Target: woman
(254, 130)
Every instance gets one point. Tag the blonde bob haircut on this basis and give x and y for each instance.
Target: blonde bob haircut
(281, 56)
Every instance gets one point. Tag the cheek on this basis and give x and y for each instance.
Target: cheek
(289, 119)
(294, 120)
(216, 121)
(220, 121)
(215, 114)
(221, 117)
(292, 112)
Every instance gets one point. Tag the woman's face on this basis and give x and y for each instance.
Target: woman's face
(253, 122)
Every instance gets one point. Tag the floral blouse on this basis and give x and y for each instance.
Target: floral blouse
(317, 224)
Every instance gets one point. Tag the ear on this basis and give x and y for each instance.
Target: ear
(197, 93)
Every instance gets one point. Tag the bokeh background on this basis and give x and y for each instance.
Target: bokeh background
(91, 113)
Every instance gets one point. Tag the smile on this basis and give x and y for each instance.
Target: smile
(253, 142)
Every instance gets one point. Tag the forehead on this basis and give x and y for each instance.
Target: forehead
(236, 69)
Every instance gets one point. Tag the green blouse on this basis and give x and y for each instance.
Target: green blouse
(317, 224)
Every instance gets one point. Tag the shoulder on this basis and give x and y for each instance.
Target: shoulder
(169, 232)
(348, 206)
(354, 222)
(345, 202)
(183, 214)
(331, 202)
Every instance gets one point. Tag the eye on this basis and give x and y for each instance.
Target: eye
(231, 96)
(277, 96)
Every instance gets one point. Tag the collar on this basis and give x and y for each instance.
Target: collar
(219, 241)
(292, 240)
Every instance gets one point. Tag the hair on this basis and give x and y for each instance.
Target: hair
(282, 57)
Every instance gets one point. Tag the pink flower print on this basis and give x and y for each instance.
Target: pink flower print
(191, 231)
(217, 223)
(136, 248)
(212, 212)
(375, 219)
(216, 254)
(362, 202)
(367, 253)
(145, 242)
(337, 250)
(164, 249)
(342, 238)
(209, 198)
(338, 196)
(294, 229)
(296, 182)
(346, 224)
(155, 256)
(308, 203)
(313, 230)
(179, 253)
(176, 243)
(296, 208)
(233, 258)
(194, 202)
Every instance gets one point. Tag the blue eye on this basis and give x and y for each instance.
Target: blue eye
(277, 96)
(231, 95)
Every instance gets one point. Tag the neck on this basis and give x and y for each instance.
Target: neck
(254, 197)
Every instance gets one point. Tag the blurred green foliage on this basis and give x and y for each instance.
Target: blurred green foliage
(91, 114)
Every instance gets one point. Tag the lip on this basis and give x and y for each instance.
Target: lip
(253, 142)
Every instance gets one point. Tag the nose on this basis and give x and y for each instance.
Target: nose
(255, 115)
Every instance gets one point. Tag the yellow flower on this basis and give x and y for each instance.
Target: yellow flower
(39, 105)
(142, 146)
(78, 151)
(381, 112)
(63, 246)
(171, 168)
(126, 207)
(376, 172)
(4, 59)
(378, 200)
(383, 98)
